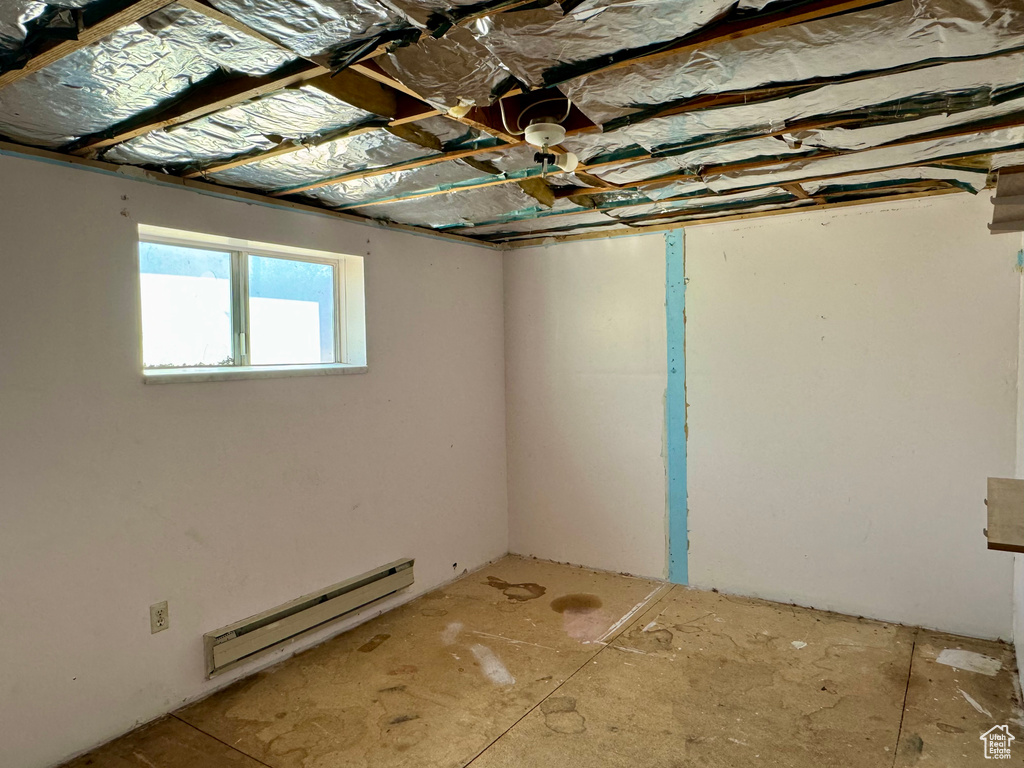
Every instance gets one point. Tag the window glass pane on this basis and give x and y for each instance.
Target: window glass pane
(291, 311)
(186, 306)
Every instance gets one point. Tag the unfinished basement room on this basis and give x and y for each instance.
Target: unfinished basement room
(511, 383)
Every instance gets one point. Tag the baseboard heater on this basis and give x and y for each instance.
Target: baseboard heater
(241, 641)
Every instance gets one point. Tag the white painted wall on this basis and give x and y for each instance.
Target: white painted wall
(586, 375)
(223, 498)
(851, 379)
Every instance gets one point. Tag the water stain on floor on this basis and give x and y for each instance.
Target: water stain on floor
(578, 603)
(519, 593)
(373, 643)
(560, 715)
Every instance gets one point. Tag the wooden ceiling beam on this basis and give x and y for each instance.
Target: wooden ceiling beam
(199, 102)
(790, 187)
(352, 88)
(380, 171)
(55, 51)
(284, 149)
(736, 30)
(494, 182)
(1013, 121)
(476, 118)
(711, 170)
(626, 231)
(366, 173)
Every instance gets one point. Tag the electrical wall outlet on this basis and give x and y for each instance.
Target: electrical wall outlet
(159, 619)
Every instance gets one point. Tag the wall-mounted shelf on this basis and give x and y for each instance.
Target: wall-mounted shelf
(1005, 514)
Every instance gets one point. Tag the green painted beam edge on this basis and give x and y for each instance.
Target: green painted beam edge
(675, 408)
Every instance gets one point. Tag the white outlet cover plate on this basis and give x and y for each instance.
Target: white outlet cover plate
(159, 619)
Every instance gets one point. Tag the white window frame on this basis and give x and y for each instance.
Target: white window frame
(349, 309)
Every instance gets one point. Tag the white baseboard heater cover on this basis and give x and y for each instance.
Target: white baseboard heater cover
(238, 642)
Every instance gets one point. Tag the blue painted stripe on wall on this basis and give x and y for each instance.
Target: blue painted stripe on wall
(675, 406)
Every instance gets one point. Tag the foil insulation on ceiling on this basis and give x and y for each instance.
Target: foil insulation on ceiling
(587, 146)
(973, 181)
(517, 158)
(132, 71)
(294, 115)
(699, 203)
(313, 27)
(900, 34)
(423, 12)
(19, 17)
(367, 150)
(690, 216)
(883, 158)
(409, 182)
(451, 133)
(749, 151)
(661, 190)
(531, 42)
(1007, 160)
(454, 208)
(850, 102)
(632, 172)
(218, 43)
(887, 98)
(455, 70)
(15, 16)
(877, 135)
(558, 220)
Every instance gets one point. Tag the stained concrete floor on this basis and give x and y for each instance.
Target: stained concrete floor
(529, 663)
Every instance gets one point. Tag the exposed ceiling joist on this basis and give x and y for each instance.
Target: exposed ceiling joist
(284, 149)
(475, 119)
(198, 102)
(127, 14)
(406, 166)
(583, 172)
(735, 30)
(641, 230)
(351, 88)
(1012, 121)
(360, 91)
(368, 87)
(381, 171)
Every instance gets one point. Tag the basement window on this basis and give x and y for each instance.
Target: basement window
(223, 308)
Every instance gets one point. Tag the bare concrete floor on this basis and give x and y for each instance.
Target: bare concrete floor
(529, 663)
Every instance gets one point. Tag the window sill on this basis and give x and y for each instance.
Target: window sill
(177, 375)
